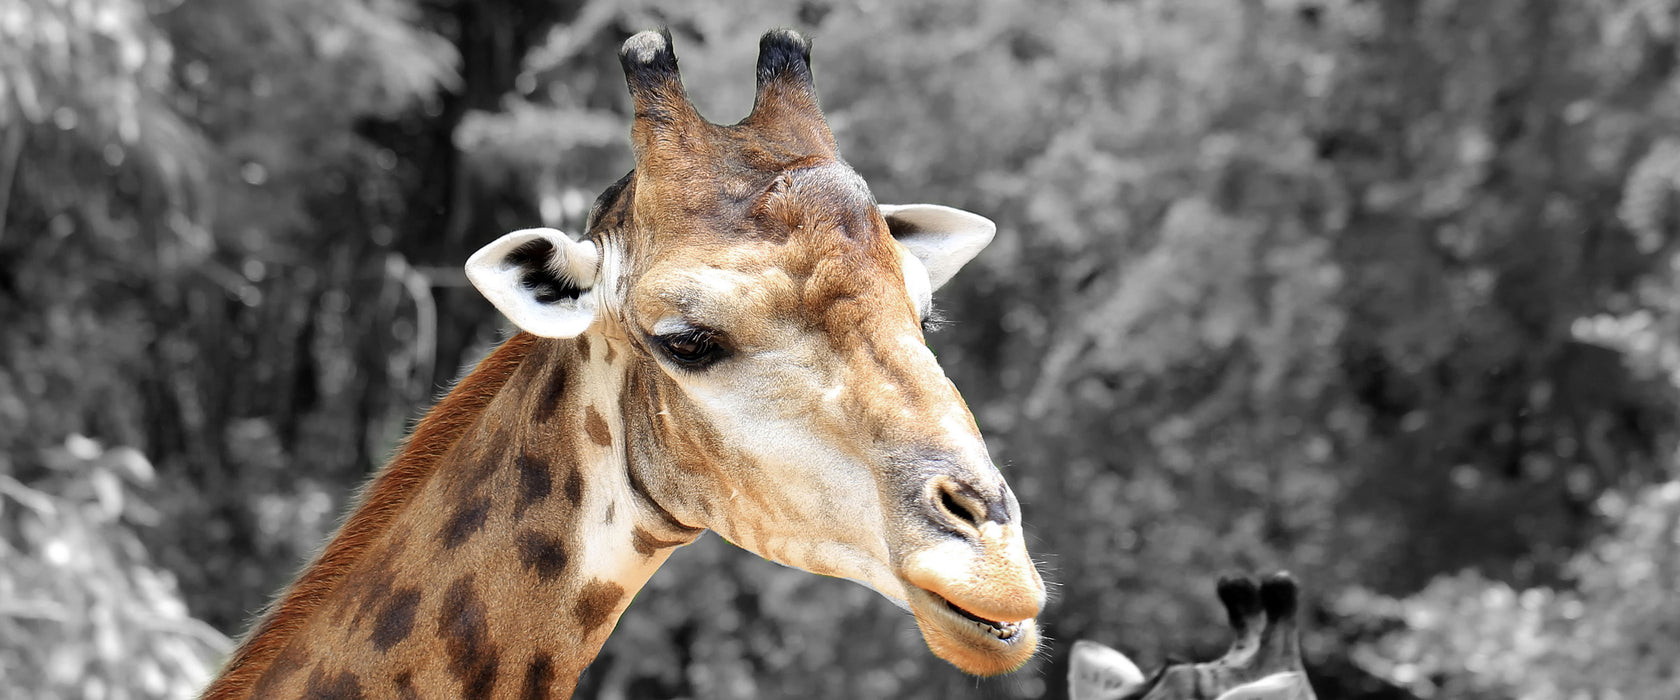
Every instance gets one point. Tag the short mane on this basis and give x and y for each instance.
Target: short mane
(380, 502)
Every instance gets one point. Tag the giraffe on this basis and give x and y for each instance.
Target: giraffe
(735, 345)
(1263, 663)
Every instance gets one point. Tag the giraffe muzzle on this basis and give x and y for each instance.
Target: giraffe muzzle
(976, 598)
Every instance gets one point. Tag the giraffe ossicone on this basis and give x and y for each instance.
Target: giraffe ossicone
(735, 344)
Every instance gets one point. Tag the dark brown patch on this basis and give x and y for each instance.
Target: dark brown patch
(595, 605)
(542, 553)
(404, 683)
(646, 544)
(596, 426)
(464, 624)
(368, 589)
(396, 619)
(554, 392)
(477, 465)
(466, 522)
(583, 346)
(289, 661)
(535, 483)
(395, 486)
(574, 486)
(539, 677)
(343, 685)
(612, 508)
(612, 352)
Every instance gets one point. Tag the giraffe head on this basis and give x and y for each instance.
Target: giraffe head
(1263, 663)
(765, 314)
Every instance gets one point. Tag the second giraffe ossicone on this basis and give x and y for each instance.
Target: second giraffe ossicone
(735, 345)
(1263, 663)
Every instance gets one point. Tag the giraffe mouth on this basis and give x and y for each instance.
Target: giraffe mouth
(973, 643)
(1004, 631)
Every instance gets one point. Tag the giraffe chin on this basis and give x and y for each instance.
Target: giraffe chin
(971, 643)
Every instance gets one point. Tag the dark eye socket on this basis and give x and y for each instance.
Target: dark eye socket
(697, 348)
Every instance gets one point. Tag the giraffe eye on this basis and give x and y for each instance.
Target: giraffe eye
(695, 349)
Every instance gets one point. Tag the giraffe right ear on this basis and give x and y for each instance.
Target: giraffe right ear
(942, 238)
(539, 278)
(1098, 672)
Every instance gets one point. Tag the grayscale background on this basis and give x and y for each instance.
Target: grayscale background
(1381, 292)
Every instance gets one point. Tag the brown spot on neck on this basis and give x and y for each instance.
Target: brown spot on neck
(539, 677)
(574, 487)
(396, 619)
(463, 623)
(343, 685)
(535, 482)
(390, 492)
(646, 544)
(404, 685)
(467, 520)
(554, 382)
(542, 553)
(596, 426)
(595, 605)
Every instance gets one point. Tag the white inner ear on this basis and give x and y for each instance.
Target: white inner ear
(501, 278)
(917, 280)
(943, 239)
(1098, 672)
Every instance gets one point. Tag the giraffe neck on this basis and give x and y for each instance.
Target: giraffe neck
(509, 564)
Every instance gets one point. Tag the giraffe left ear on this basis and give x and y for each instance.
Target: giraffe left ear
(1099, 672)
(942, 238)
(539, 278)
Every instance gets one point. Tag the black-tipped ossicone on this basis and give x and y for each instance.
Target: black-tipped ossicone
(646, 55)
(650, 71)
(1241, 598)
(1278, 593)
(784, 54)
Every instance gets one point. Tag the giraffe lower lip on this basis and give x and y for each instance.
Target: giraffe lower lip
(968, 641)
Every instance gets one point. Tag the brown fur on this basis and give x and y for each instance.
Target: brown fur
(389, 492)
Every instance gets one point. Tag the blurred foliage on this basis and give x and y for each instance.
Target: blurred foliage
(83, 610)
(1384, 292)
(1615, 633)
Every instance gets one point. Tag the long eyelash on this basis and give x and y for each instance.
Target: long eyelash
(934, 320)
(694, 335)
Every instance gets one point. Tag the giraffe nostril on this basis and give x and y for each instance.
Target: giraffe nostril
(956, 509)
(957, 505)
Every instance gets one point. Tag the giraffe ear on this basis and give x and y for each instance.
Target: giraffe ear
(1098, 672)
(1289, 685)
(540, 279)
(942, 238)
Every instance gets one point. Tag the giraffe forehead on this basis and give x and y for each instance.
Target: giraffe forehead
(702, 206)
(817, 282)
